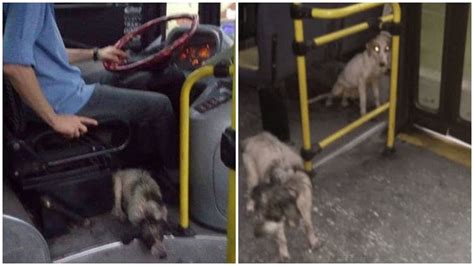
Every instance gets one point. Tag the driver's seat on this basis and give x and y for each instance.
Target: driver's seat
(59, 179)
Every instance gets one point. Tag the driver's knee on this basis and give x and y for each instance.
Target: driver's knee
(160, 106)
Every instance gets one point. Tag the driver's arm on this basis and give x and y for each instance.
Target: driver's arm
(25, 83)
(23, 25)
(108, 53)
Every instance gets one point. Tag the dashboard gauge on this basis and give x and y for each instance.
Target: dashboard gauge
(199, 49)
(204, 52)
(193, 55)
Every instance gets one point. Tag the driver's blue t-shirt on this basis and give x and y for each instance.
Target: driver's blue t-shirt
(31, 37)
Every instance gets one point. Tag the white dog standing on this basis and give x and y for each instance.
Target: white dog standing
(364, 70)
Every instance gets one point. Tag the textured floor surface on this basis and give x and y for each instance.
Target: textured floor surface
(179, 250)
(106, 230)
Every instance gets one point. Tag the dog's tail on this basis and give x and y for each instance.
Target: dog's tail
(320, 97)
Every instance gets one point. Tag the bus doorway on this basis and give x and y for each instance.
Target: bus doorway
(437, 76)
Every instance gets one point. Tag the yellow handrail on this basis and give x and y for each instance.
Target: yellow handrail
(342, 12)
(303, 90)
(231, 188)
(184, 142)
(336, 13)
(343, 131)
(397, 15)
(334, 36)
(184, 158)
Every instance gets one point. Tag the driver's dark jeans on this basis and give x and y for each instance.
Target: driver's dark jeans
(154, 125)
(167, 81)
(146, 98)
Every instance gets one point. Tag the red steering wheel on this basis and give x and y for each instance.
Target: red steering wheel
(161, 56)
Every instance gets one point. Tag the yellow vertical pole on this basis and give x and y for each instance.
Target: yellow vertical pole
(393, 79)
(303, 91)
(184, 143)
(231, 188)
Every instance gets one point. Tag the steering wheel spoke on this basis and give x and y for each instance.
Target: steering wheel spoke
(149, 60)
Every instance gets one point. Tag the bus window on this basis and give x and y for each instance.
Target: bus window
(432, 33)
(180, 8)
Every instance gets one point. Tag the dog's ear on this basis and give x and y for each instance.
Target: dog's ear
(284, 196)
(256, 192)
(127, 236)
(372, 47)
(154, 211)
(261, 193)
(368, 46)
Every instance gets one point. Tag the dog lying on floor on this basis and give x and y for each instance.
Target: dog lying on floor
(363, 70)
(278, 190)
(138, 198)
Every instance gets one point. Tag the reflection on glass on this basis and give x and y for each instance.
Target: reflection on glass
(180, 8)
(431, 51)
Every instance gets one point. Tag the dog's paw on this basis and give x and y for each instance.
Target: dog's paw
(119, 214)
(115, 212)
(315, 243)
(284, 257)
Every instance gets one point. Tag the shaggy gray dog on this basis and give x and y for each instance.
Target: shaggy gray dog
(278, 190)
(138, 198)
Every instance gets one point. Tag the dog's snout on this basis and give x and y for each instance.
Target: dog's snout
(159, 251)
(382, 64)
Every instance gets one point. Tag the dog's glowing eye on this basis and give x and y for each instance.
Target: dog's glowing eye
(387, 48)
(376, 48)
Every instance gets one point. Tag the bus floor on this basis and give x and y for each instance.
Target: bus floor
(101, 243)
(412, 206)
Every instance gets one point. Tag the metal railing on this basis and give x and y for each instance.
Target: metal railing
(184, 154)
(301, 47)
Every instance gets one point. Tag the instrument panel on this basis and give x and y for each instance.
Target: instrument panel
(192, 55)
(202, 46)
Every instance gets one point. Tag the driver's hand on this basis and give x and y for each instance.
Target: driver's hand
(112, 54)
(72, 126)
